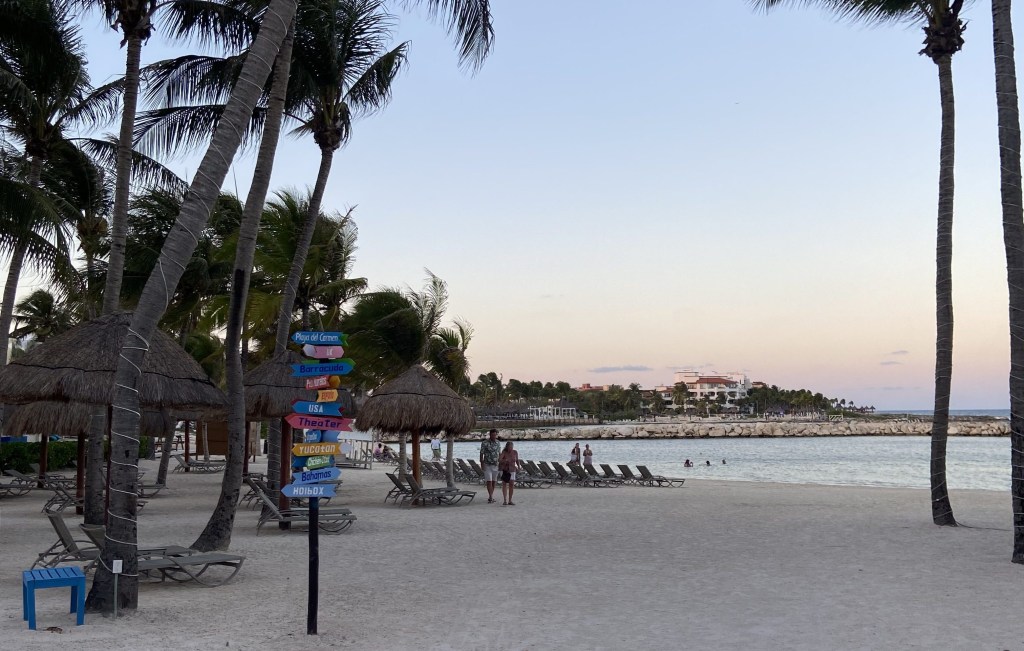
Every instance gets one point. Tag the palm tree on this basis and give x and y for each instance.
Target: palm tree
(391, 330)
(47, 91)
(41, 315)
(204, 19)
(174, 255)
(943, 30)
(1008, 113)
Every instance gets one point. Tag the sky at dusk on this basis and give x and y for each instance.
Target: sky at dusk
(630, 188)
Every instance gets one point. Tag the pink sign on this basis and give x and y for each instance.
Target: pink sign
(302, 421)
(323, 352)
(318, 382)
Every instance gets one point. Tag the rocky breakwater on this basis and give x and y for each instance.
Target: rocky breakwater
(753, 429)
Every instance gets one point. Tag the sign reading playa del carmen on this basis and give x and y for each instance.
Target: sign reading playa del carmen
(313, 458)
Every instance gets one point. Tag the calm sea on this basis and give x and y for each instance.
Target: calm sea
(975, 463)
(992, 413)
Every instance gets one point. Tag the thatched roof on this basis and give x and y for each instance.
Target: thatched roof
(270, 389)
(79, 366)
(70, 419)
(416, 400)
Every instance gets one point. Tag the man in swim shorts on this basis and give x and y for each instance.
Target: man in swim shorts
(489, 451)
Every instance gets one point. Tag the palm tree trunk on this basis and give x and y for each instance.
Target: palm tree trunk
(94, 504)
(165, 452)
(1008, 115)
(10, 294)
(122, 534)
(942, 510)
(217, 534)
(291, 287)
(119, 216)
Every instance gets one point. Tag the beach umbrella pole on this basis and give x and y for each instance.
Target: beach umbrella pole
(188, 446)
(44, 453)
(286, 466)
(80, 474)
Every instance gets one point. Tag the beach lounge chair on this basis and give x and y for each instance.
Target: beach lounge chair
(191, 567)
(15, 487)
(528, 479)
(659, 480)
(550, 473)
(399, 490)
(329, 520)
(197, 466)
(563, 474)
(630, 478)
(446, 496)
(61, 498)
(150, 490)
(21, 479)
(609, 473)
(469, 473)
(476, 467)
(66, 549)
(96, 533)
(585, 479)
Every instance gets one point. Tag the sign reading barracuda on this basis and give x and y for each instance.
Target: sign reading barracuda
(312, 367)
(320, 338)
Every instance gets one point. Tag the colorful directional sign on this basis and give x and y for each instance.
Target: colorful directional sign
(319, 382)
(308, 490)
(316, 408)
(313, 476)
(302, 421)
(320, 338)
(323, 352)
(312, 436)
(312, 367)
(327, 395)
(314, 449)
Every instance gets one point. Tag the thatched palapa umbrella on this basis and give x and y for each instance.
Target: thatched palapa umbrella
(78, 366)
(416, 401)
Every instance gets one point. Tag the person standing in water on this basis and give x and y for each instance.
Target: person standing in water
(588, 456)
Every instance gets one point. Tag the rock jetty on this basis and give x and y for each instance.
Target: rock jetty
(751, 429)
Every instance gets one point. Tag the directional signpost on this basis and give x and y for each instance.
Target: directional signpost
(314, 458)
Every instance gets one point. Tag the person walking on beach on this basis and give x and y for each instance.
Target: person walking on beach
(508, 461)
(574, 456)
(588, 456)
(490, 450)
(435, 447)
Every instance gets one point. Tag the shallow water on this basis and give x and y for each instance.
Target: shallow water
(898, 461)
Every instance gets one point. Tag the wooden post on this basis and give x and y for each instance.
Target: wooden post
(188, 445)
(80, 473)
(44, 453)
(416, 457)
(312, 603)
(286, 469)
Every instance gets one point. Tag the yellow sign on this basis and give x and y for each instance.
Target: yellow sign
(315, 449)
(327, 395)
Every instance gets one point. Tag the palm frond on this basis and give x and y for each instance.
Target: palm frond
(191, 79)
(147, 172)
(372, 90)
(226, 24)
(169, 131)
(467, 20)
(101, 106)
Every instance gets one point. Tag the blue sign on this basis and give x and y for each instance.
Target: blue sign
(339, 367)
(322, 338)
(314, 476)
(316, 408)
(308, 490)
(313, 436)
(330, 436)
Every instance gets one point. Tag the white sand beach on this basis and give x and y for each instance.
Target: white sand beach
(713, 565)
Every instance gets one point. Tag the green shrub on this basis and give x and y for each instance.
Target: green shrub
(18, 456)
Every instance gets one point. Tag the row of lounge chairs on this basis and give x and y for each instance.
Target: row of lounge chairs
(545, 474)
(197, 465)
(329, 519)
(411, 492)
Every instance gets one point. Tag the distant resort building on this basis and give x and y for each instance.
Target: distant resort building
(551, 412)
(734, 385)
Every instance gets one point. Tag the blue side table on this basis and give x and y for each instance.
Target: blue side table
(56, 577)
